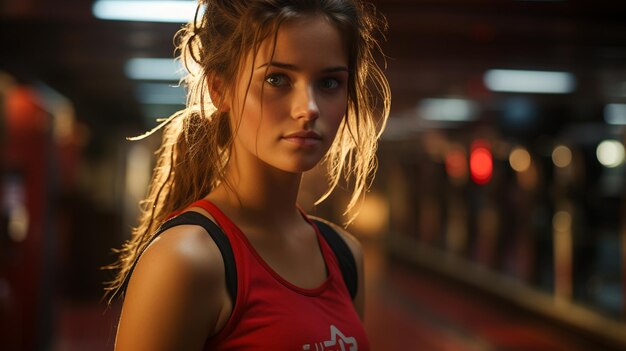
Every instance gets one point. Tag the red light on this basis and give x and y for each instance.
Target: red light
(481, 162)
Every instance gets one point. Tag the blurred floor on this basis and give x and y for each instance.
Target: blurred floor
(406, 309)
(414, 309)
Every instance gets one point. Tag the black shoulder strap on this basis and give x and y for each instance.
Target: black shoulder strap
(337, 244)
(343, 254)
(221, 240)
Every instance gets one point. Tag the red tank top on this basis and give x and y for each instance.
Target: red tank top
(272, 314)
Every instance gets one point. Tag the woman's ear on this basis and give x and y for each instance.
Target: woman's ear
(217, 93)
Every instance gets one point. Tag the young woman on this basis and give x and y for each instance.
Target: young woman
(275, 87)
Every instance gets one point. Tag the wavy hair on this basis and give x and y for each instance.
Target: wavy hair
(196, 141)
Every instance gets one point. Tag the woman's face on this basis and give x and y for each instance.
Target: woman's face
(296, 100)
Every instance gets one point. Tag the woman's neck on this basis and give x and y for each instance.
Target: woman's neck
(258, 194)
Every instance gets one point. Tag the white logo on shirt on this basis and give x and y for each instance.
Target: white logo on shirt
(337, 342)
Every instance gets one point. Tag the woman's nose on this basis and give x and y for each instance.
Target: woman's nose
(305, 104)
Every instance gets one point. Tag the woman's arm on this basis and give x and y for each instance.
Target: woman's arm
(175, 295)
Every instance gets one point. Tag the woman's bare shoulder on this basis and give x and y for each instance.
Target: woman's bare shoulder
(185, 248)
(175, 293)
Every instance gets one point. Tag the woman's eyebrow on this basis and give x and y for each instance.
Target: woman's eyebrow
(295, 68)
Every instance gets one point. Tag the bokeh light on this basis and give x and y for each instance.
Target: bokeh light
(562, 221)
(610, 153)
(520, 159)
(562, 156)
(373, 215)
(481, 162)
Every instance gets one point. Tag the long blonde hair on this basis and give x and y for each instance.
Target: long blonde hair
(196, 141)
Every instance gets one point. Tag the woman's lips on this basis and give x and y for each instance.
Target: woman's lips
(303, 138)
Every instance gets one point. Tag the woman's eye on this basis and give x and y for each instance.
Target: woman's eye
(276, 80)
(329, 83)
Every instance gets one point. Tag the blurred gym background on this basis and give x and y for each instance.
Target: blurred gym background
(497, 220)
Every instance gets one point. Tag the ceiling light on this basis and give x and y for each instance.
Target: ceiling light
(160, 94)
(145, 11)
(448, 110)
(615, 114)
(154, 69)
(530, 81)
